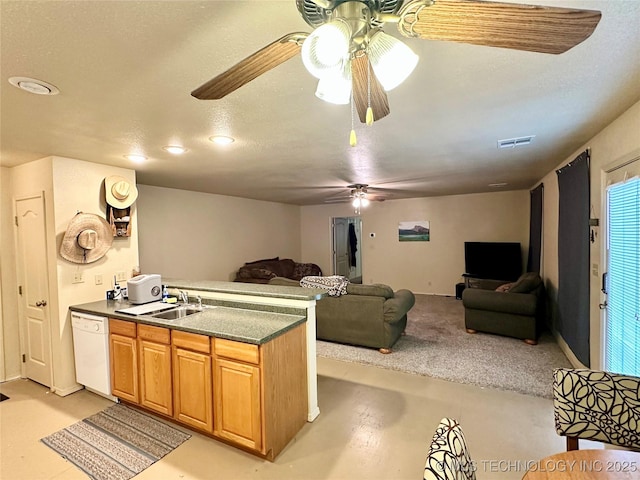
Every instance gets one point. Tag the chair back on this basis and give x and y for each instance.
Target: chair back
(448, 457)
(598, 406)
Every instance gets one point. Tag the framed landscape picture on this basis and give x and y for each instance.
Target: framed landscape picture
(413, 231)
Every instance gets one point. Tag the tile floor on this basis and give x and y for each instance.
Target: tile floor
(374, 424)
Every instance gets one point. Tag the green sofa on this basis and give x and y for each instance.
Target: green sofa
(368, 315)
(515, 310)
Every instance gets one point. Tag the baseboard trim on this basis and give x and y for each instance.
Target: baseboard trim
(63, 392)
(567, 350)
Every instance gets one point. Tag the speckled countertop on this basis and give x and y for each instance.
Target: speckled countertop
(256, 289)
(243, 325)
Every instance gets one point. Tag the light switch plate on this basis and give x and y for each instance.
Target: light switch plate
(77, 277)
(99, 279)
(121, 277)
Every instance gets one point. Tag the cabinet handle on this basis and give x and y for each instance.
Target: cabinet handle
(41, 303)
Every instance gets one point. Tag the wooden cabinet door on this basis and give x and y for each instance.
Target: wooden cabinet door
(124, 367)
(192, 385)
(237, 405)
(155, 376)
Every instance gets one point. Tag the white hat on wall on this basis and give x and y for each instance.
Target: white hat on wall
(119, 192)
(87, 239)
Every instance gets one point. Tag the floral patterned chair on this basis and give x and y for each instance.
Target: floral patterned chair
(448, 457)
(598, 406)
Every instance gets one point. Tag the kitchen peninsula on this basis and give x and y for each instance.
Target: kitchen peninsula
(237, 370)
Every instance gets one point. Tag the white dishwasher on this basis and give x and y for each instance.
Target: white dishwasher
(91, 351)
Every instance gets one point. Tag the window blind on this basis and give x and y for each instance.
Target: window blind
(622, 353)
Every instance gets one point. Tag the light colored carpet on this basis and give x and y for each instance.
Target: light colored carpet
(437, 345)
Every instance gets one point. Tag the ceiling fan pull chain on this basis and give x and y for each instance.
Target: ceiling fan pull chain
(353, 141)
(369, 116)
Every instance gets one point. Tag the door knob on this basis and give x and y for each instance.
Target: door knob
(41, 303)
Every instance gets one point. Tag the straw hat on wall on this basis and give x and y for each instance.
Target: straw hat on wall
(119, 192)
(87, 239)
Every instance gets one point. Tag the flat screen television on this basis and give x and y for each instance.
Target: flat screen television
(493, 260)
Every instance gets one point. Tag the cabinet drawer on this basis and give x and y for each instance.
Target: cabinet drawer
(245, 352)
(191, 341)
(122, 327)
(155, 334)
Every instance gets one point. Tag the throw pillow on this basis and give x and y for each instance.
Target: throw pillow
(526, 283)
(505, 287)
(262, 273)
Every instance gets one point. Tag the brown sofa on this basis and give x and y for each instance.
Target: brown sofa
(368, 315)
(261, 271)
(515, 310)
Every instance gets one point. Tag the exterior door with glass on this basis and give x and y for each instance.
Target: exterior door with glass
(622, 285)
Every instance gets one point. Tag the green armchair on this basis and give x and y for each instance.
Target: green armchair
(514, 310)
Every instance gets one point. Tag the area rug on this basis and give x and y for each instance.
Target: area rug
(115, 444)
(437, 345)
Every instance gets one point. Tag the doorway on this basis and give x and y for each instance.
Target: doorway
(347, 247)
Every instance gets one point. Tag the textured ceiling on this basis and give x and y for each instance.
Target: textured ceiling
(125, 70)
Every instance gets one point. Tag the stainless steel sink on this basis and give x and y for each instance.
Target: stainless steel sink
(178, 312)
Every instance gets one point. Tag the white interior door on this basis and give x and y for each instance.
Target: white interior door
(340, 254)
(622, 314)
(32, 274)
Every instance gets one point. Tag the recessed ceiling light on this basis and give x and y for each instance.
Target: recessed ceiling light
(222, 139)
(32, 85)
(134, 157)
(498, 185)
(175, 149)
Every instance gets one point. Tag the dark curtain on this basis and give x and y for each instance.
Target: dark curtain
(535, 230)
(573, 256)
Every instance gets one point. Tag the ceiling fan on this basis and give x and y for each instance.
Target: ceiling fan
(357, 26)
(359, 196)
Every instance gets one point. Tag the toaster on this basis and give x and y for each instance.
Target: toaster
(144, 288)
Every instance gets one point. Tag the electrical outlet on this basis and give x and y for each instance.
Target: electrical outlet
(99, 279)
(77, 277)
(121, 277)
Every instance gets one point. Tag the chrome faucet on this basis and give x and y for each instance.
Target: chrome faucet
(199, 299)
(184, 296)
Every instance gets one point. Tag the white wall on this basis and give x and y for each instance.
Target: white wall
(619, 140)
(70, 186)
(79, 186)
(423, 267)
(201, 236)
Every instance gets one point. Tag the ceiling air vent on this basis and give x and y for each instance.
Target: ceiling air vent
(515, 142)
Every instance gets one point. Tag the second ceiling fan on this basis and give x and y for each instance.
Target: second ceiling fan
(355, 61)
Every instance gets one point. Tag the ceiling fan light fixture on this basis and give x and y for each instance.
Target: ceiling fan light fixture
(392, 61)
(325, 48)
(364, 201)
(336, 88)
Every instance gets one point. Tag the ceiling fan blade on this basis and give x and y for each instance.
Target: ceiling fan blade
(508, 25)
(360, 86)
(251, 67)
